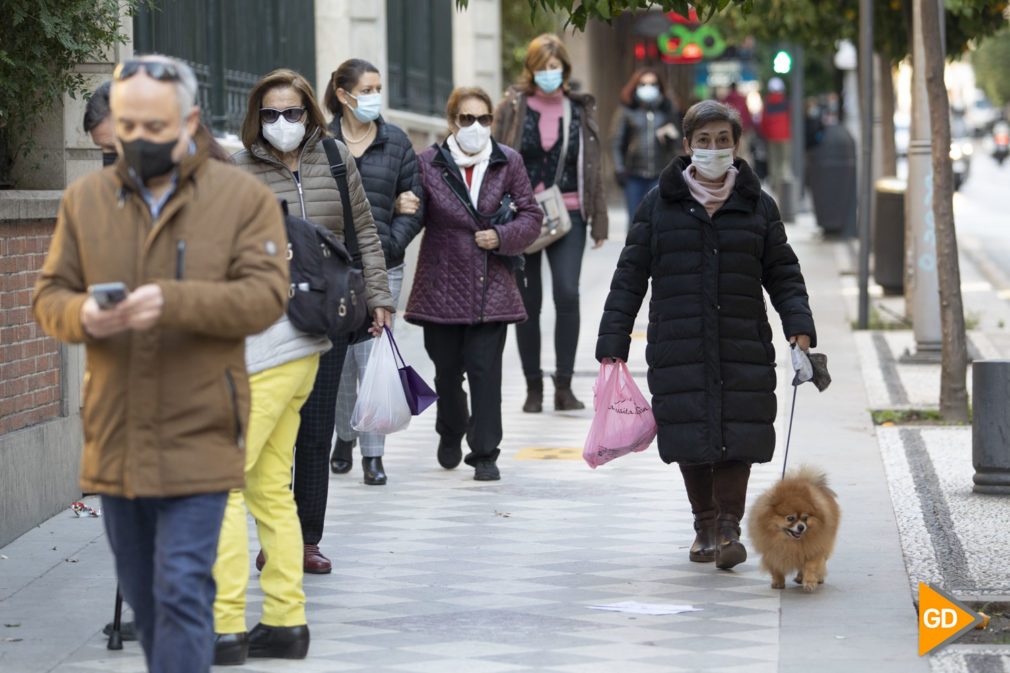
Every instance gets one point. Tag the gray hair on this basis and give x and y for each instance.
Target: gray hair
(708, 111)
(185, 87)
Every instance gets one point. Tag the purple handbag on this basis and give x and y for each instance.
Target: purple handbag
(419, 395)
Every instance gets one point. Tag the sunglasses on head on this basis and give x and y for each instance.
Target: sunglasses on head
(159, 70)
(468, 120)
(269, 115)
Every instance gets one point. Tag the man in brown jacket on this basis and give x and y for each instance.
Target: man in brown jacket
(196, 243)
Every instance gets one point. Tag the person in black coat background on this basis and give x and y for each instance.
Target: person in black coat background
(389, 174)
(710, 239)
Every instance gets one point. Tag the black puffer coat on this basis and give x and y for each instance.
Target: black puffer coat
(710, 355)
(388, 168)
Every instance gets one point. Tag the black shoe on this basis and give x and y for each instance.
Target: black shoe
(279, 642)
(127, 630)
(230, 649)
(729, 551)
(449, 453)
(374, 474)
(486, 470)
(341, 461)
(564, 399)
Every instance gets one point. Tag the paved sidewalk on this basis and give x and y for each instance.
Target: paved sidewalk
(437, 572)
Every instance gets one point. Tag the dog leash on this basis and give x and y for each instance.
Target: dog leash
(789, 433)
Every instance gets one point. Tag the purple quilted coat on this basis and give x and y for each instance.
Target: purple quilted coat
(456, 282)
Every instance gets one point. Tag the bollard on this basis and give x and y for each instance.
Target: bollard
(990, 426)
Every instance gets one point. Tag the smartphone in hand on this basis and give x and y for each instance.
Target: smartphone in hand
(107, 295)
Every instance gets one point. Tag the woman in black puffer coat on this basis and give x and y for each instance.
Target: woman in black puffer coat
(710, 239)
(388, 167)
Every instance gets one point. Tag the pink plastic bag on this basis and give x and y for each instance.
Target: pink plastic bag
(623, 420)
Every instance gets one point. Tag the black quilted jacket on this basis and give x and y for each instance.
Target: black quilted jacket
(710, 354)
(388, 168)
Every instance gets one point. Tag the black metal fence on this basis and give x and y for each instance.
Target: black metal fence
(231, 44)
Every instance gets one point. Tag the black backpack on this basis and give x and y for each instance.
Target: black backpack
(327, 291)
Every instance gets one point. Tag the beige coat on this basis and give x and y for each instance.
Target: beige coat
(165, 409)
(317, 199)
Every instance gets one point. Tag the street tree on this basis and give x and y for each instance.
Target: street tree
(41, 44)
(989, 62)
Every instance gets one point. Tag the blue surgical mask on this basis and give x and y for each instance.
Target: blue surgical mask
(647, 93)
(369, 106)
(548, 80)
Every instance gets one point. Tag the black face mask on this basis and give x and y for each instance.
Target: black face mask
(149, 160)
(109, 158)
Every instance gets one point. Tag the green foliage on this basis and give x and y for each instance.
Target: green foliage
(519, 26)
(990, 62)
(817, 25)
(581, 12)
(41, 44)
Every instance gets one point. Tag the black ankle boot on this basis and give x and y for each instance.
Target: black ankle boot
(374, 474)
(564, 400)
(341, 461)
(729, 551)
(534, 395)
(703, 549)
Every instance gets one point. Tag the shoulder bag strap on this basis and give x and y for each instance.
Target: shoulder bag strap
(566, 121)
(339, 172)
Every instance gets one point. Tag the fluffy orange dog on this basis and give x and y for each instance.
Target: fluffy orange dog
(793, 526)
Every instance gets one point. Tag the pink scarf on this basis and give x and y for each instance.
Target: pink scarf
(711, 194)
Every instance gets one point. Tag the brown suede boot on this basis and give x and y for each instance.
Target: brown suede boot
(564, 400)
(703, 549)
(729, 551)
(534, 395)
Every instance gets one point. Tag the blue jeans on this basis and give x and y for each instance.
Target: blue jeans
(165, 550)
(635, 189)
(565, 257)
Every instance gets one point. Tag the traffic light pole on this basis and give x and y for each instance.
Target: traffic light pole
(798, 130)
(865, 172)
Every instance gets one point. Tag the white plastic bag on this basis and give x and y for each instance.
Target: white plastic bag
(382, 406)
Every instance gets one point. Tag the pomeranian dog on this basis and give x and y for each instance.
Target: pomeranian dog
(793, 526)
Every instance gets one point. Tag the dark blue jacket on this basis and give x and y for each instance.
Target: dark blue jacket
(388, 168)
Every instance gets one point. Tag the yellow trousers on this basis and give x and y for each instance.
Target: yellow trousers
(277, 396)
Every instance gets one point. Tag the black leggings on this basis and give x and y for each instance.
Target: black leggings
(720, 488)
(565, 257)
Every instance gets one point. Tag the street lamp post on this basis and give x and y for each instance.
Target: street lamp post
(920, 255)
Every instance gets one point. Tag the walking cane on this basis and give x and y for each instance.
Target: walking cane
(116, 637)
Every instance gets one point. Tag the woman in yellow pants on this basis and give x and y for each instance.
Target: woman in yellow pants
(282, 364)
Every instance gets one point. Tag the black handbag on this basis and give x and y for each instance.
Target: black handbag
(339, 172)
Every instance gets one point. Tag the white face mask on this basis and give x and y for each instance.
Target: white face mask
(473, 138)
(647, 93)
(284, 135)
(712, 164)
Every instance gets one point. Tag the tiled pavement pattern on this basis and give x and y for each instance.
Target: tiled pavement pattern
(951, 537)
(436, 572)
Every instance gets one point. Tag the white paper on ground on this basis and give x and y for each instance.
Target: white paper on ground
(636, 608)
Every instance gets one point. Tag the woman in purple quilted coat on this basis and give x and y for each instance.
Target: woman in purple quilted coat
(465, 292)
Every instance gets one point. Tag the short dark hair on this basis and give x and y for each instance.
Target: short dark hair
(280, 78)
(708, 111)
(97, 109)
(346, 77)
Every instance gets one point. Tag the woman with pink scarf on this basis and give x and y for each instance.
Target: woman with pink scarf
(711, 241)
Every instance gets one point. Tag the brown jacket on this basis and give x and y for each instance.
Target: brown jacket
(507, 129)
(318, 199)
(165, 409)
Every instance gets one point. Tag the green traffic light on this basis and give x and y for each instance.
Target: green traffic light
(782, 62)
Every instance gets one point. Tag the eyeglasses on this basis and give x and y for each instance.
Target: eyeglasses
(269, 115)
(159, 70)
(468, 120)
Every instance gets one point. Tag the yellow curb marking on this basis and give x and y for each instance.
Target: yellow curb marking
(549, 453)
